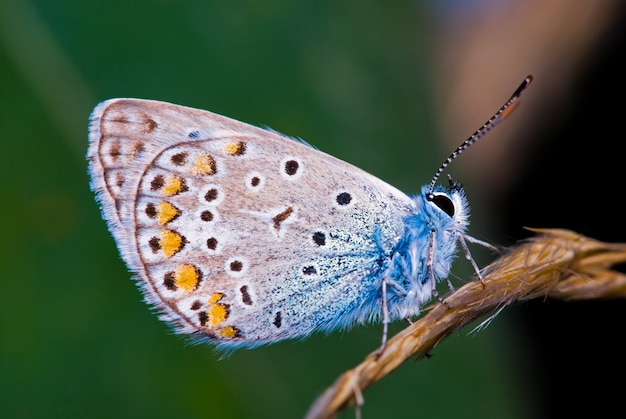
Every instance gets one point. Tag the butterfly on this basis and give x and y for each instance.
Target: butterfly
(242, 236)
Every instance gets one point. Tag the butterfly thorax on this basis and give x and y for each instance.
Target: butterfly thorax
(425, 254)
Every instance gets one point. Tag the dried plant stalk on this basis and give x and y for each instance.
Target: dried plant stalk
(556, 263)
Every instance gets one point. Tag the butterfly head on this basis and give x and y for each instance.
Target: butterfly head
(447, 204)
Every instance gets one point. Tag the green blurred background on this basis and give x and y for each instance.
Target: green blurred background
(391, 87)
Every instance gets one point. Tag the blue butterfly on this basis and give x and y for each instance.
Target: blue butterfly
(242, 236)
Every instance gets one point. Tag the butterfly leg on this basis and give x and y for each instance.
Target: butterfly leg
(385, 317)
(469, 257)
(482, 243)
(431, 272)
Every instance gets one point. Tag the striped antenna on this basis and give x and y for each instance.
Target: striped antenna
(498, 117)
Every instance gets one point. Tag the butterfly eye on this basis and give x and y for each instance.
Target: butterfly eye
(444, 203)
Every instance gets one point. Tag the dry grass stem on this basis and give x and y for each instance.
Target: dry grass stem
(555, 263)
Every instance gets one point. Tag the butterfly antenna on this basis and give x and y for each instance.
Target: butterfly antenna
(498, 117)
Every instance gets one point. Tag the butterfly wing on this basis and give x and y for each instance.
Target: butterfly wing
(236, 233)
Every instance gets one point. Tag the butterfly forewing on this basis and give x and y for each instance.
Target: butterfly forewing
(237, 233)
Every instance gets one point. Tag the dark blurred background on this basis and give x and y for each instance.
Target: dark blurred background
(391, 87)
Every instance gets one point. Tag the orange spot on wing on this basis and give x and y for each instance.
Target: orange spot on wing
(217, 314)
(166, 212)
(171, 242)
(204, 164)
(173, 186)
(236, 148)
(187, 277)
(229, 332)
(215, 297)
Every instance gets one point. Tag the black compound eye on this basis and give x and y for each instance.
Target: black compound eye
(444, 203)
